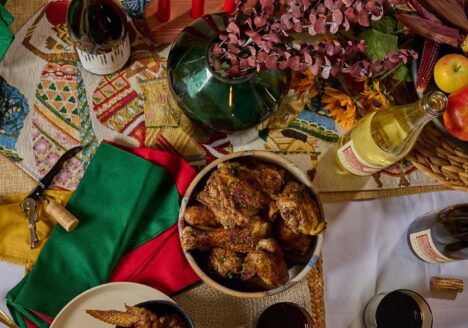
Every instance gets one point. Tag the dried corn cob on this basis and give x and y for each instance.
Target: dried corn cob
(452, 11)
(426, 64)
(464, 45)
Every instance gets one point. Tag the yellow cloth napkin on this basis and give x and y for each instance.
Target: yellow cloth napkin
(14, 231)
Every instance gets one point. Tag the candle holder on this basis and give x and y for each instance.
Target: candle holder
(165, 19)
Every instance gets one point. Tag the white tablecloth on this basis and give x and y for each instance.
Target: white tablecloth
(365, 252)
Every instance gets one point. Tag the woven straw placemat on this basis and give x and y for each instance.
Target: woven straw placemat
(372, 194)
(212, 309)
(22, 10)
(12, 179)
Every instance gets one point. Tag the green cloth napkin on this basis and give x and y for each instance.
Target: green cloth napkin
(6, 37)
(121, 202)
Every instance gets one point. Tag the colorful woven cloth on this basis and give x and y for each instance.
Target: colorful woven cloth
(126, 205)
(134, 8)
(14, 236)
(55, 104)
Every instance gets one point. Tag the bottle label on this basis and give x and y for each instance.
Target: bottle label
(424, 247)
(352, 162)
(106, 63)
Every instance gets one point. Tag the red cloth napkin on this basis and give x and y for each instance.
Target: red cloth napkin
(160, 262)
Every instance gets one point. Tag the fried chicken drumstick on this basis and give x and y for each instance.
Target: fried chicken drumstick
(241, 240)
(200, 216)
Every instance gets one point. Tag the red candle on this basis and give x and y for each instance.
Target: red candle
(164, 10)
(229, 6)
(56, 12)
(198, 8)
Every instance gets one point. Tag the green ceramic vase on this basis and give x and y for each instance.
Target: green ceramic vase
(220, 103)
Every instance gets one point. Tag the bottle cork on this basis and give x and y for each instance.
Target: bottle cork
(67, 220)
(442, 284)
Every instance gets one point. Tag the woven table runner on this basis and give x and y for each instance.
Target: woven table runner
(55, 105)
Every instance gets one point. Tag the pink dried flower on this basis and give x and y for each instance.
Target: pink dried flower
(263, 32)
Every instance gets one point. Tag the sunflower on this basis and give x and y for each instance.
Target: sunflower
(340, 106)
(304, 83)
(373, 97)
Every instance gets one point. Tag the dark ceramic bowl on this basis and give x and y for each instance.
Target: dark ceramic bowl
(438, 122)
(161, 308)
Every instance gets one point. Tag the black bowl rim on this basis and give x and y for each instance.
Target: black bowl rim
(185, 316)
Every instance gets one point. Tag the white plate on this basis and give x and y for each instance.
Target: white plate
(111, 296)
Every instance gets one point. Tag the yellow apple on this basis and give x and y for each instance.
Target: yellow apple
(451, 72)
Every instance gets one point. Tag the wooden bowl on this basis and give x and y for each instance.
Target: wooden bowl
(296, 272)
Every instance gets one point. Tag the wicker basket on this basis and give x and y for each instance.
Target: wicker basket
(317, 296)
(440, 159)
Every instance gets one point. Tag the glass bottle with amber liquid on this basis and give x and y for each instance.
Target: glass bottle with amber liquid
(384, 137)
(99, 29)
(440, 236)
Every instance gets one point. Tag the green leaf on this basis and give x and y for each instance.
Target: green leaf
(402, 74)
(400, 26)
(386, 25)
(378, 44)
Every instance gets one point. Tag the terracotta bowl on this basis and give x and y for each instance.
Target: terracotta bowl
(242, 289)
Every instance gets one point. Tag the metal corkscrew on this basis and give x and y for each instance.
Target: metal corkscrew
(29, 204)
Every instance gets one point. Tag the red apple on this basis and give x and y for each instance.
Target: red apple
(451, 72)
(456, 114)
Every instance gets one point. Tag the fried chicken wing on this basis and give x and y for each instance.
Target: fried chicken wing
(225, 263)
(267, 263)
(234, 194)
(114, 317)
(200, 216)
(136, 317)
(243, 239)
(300, 212)
(270, 176)
(295, 246)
